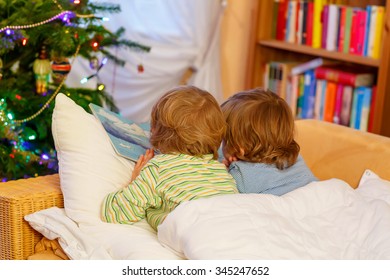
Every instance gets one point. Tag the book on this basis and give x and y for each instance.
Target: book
(354, 31)
(378, 31)
(319, 99)
(330, 97)
(361, 29)
(332, 26)
(352, 119)
(341, 32)
(304, 23)
(347, 29)
(299, 22)
(361, 108)
(309, 23)
(324, 24)
(129, 139)
(301, 89)
(292, 99)
(372, 110)
(338, 103)
(303, 67)
(308, 95)
(291, 21)
(281, 20)
(367, 33)
(346, 105)
(317, 25)
(345, 75)
(372, 30)
(366, 106)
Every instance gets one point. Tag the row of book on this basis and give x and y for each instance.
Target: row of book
(328, 92)
(321, 24)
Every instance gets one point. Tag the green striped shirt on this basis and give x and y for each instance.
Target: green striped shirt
(165, 182)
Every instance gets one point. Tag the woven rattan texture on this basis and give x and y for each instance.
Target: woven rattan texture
(17, 199)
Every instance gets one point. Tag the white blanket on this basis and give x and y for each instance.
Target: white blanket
(323, 220)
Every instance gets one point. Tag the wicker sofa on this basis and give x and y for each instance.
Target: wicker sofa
(330, 150)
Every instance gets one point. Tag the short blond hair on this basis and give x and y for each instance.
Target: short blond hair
(187, 120)
(260, 123)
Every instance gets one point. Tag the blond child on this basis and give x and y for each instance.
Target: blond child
(259, 147)
(187, 127)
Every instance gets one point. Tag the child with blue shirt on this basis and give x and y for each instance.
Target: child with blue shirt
(259, 147)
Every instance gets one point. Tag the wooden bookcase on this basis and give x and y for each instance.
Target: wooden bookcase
(264, 49)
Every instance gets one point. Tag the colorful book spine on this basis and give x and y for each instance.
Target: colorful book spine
(309, 23)
(378, 32)
(352, 120)
(338, 103)
(332, 27)
(354, 32)
(371, 32)
(359, 105)
(298, 22)
(365, 109)
(324, 21)
(361, 33)
(304, 23)
(347, 31)
(292, 101)
(311, 64)
(344, 77)
(372, 110)
(281, 20)
(346, 105)
(320, 99)
(331, 88)
(301, 89)
(291, 21)
(309, 95)
(317, 25)
(367, 33)
(342, 12)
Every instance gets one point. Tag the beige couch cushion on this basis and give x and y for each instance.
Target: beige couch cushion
(335, 151)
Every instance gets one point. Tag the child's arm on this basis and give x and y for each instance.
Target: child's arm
(129, 204)
(141, 162)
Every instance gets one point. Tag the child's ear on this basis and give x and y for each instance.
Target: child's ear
(242, 152)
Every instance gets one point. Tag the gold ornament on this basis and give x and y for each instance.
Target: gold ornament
(42, 69)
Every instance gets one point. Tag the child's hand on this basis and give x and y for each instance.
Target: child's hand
(141, 162)
(228, 161)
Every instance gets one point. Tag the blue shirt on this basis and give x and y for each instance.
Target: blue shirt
(266, 178)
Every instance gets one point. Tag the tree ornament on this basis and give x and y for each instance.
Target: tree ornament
(42, 69)
(140, 68)
(94, 63)
(60, 67)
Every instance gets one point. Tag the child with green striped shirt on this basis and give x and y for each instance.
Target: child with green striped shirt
(187, 126)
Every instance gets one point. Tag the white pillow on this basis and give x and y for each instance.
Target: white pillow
(89, 168)
(371, 186)
(54, 224)
(100, 240)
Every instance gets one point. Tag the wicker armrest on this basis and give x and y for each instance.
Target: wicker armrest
(17, 199)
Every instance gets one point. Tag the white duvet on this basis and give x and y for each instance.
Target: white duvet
(323, 220)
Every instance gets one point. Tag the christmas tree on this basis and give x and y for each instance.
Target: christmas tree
(38, 42)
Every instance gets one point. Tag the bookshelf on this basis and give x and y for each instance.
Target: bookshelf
(264, 48)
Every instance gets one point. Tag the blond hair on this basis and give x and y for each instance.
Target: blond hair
(187, 120)
(260, 128)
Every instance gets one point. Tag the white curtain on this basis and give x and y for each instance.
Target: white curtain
(182, 34)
